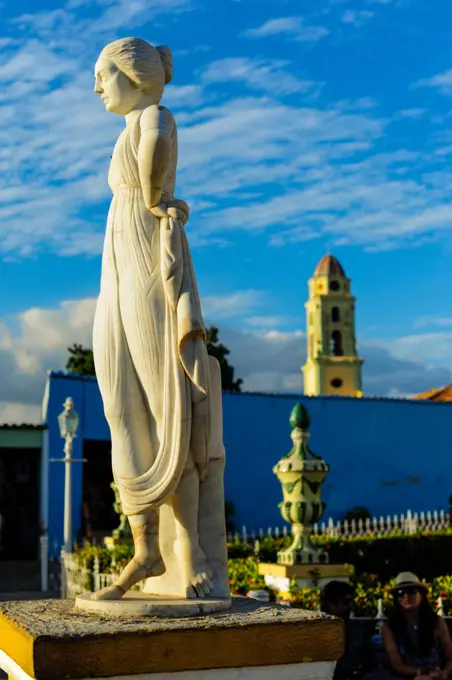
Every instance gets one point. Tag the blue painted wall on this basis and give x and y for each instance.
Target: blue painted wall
(387, 455)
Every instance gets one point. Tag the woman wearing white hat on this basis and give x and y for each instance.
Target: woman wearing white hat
(416, 639)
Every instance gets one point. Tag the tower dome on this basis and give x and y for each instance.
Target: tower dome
(329, 266)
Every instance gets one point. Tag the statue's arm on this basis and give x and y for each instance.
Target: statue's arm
(156, 127)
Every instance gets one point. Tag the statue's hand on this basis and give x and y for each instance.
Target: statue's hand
(159, 210)
(177, 209)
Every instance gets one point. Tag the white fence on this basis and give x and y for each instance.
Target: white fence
(409, 523)
(76, 579)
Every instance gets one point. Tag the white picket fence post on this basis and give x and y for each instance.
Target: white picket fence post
(409, 523)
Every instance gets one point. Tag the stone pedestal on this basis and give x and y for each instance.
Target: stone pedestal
(49, 640)
(280, 576)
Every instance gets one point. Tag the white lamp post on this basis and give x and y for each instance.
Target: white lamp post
(68, 421)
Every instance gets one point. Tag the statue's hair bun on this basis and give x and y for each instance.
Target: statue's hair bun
(167, 60)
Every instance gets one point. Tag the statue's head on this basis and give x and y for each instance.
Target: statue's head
(129, 69)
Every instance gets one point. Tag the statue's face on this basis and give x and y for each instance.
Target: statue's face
(116, 90)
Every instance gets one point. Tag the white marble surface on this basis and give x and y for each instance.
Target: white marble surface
(307, 671)
(304, 671)
(161, 391)
(137, 604)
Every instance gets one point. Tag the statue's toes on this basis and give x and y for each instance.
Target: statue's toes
(191, 593)
(203, 585)
(207, 582)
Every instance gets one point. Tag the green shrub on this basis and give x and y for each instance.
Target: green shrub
(428, 554)
(244, 576)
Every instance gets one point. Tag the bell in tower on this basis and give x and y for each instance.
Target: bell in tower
(332, 363)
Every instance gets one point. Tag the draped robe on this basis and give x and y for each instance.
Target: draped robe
(149, 338)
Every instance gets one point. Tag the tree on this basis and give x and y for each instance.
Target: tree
(80, 361)
(220, 352)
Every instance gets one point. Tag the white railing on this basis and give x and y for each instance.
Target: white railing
(409, 523)
(76, 579)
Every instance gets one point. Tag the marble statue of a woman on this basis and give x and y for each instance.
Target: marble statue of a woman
(161, 390)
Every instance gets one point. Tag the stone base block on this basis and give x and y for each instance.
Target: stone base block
(322, 670)
(280, 576)
(50, 640)
(140, 604)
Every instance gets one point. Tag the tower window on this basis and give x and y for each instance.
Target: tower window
(336, 344)
(335, 286)
(335, 314)
(336, 383)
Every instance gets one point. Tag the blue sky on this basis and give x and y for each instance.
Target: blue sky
(305, 127)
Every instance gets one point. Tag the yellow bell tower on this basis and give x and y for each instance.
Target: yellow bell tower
(332, 363)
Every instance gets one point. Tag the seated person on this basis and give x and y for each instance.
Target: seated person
(416, 640)
(337, 599)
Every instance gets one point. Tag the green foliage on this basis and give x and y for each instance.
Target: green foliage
(80, 361)
(368, 590)
(244, 576)
(220, 352)
(427, 553)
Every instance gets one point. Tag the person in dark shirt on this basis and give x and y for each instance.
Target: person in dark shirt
(416, 639)
(358, 660)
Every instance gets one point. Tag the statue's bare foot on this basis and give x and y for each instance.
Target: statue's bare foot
(108, 593)
(196, 569)
(135, 571)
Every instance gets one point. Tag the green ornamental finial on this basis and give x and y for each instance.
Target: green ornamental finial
(300, 417)
(301, 474)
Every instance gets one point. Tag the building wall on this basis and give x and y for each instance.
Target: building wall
(347, 371)
(386, 455)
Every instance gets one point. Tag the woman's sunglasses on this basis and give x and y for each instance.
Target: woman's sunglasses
(407, 591)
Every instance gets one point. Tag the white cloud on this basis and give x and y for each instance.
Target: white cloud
(231, 305)
(356, 17)
(106, 16)
(442, 81)
(268, 75)
(427, 347)
(411, 113)
(293, 27)
(185, 96)
(16, 413)
(266, 321)
(55, 136)
(300, 171)
(269, 361)
(439, 321)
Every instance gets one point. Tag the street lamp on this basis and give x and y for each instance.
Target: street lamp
(68, 421)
